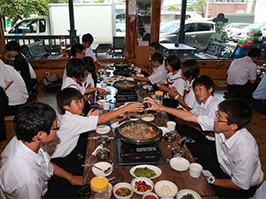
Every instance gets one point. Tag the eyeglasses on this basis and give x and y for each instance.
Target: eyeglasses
(218, 117)
(56, 128)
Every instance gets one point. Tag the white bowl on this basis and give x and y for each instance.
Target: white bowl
(146, 180)
(150, 194)
(183, 192)
(129, 78)
(140, 75)
(120, 185)
(165, 188)
(147, 117)
(133, 116)
(179, 164)
(102, 165)
(103, 129)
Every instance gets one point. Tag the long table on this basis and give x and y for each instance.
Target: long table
(182, 179)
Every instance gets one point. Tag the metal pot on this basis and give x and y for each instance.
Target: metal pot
(136, 141)
(125, 88)
(121, 65)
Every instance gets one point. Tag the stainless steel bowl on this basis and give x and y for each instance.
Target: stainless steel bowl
(104, 140)
(178, 152)
(103, 154)
(170, 136)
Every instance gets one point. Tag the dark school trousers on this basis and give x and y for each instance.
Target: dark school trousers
(172, 103)
(61, 188)
(205, 151)
(259, 105)
(241, 91)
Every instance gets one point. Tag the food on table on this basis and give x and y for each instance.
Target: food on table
(150, 197)
(188, 196)
(141, 131)
(123, 191)
(125, 84)
(141, 186)
(151, 112)
(166, 190)
(120, 117)
(147, 117)
(134, 116)
(144, 172)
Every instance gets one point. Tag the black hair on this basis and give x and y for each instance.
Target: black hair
(77, 48)
(65, 96)
(141, 31)
(157, 57)
(76, 68)
(191, 69)
(147, 37)
(156, 45)
(87, 38)
(254, 52)
(90, 65)
(13, 45)
(205, 81)
(33, 118)
(238, 111)
(174, 62)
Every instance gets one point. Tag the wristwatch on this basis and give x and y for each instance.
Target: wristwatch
(211, 179)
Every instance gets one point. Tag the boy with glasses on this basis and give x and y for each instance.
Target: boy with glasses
(235, 167)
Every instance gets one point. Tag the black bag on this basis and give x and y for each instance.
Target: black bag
(54, 86)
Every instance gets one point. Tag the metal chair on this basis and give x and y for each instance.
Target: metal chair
(118, 47)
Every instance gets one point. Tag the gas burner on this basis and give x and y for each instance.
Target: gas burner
(124, 96)
(130, 154)
(125, 73)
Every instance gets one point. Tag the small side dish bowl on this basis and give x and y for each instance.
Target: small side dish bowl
(133, 116)
(165, 188)
(147, 117)
(150, 196)
(142, 185)
(103, 154)
(124, 185)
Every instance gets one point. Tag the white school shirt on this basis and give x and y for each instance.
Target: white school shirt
(239, 158)
(189, 97)
(90, 53)
(32, 72)
(4, 75)
(206, 113)
(241, 70)
(158, 75)
(176, 81)
(66, 139)
(261, 191)
(260, 92)
(17, 92)
(70, 83)
(24, 173)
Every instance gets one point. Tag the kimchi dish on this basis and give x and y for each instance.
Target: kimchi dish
(138, 132)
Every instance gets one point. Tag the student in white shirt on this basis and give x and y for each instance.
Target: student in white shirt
(6, 80)
(17, 92)
(239, 167)
(159, 74)
(68, 149)
(87, 40)
(261, 192)
(25, 167)
(187, 100)
(77, 74)
(174, 80)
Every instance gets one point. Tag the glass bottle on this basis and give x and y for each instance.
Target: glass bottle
(99, 188)
(159, 97)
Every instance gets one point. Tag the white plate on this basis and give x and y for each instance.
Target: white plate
(103, 129)
(146, 180)
(179, 164)
(147, 117)
(102, 165)
(135, 116)
(129, 78)
(157, 170)
(100, 102)
(183, 192)
(164, 129)
(165, 188)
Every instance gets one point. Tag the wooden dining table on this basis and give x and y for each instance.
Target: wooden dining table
(182, 179)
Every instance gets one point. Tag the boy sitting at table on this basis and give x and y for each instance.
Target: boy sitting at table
(153, 48)
(87, 40)
(68, 149)
(25, 167)
(159, 74)
(235, 167)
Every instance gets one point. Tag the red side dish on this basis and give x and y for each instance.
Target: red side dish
(142, 186)
(150, 197)
(120, 117)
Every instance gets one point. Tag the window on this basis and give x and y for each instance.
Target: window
(27, 26)
(42, 25)
(205, 27)
(189, 27)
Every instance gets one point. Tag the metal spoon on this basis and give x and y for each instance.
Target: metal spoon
(107, 170)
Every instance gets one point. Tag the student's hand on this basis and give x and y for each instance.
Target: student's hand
(134, 107)
(76, 180)
(154, 105)
(102, 91)
(134, 76)
(93, 112)
(85, 97)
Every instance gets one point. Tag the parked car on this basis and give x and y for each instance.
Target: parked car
(232, 28)
(242, 33)
(197, 33)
